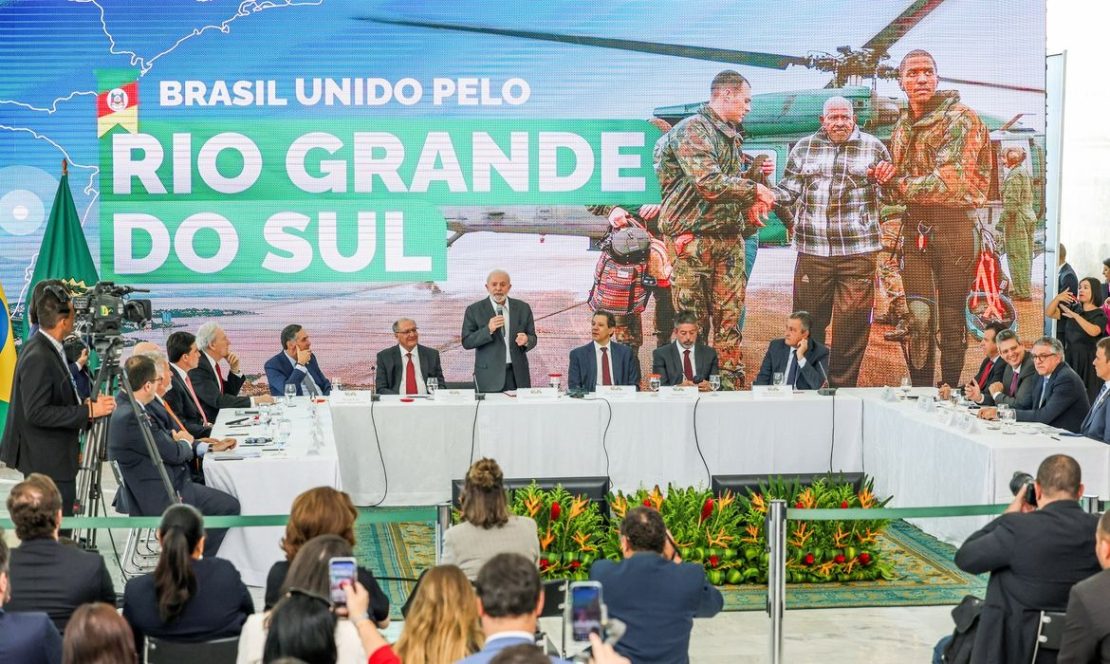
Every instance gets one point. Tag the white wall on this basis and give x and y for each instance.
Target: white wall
(1079, 27)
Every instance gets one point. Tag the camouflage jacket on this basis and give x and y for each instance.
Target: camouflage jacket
(943, 157)
(1017, 197)
(700, 168)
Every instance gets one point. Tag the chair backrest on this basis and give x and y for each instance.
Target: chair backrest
(554, 596)
(218, 651)
(1050, 632)
(125, 501)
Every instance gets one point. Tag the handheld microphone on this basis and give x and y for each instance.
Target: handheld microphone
(500, 310)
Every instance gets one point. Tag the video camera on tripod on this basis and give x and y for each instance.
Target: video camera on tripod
(101, 311)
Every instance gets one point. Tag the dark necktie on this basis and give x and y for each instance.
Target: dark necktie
(1044, 393)
(687, 368)
(982, 380)
(410, 376)
(606, 377)
(792, 375)
(1014, 382)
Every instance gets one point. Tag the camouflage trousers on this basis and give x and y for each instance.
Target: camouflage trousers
(1018, 243)
(890, 265)
(709, 281)
(630, 327)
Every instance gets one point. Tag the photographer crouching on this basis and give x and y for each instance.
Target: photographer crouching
(1035, 552)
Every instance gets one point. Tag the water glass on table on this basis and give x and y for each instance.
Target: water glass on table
(1008, 417)
(432, 384)
(714, 382)
(290, 392)
(654, 382)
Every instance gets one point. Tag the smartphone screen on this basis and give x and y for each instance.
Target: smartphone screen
(585, 608)
(341, 573)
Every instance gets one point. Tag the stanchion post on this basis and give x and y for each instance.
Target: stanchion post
(443, 522)
(776, 574)
(1090, 504)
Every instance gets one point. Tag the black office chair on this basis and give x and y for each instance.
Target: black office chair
(1050, 631)
(554, 601)
(218, 651)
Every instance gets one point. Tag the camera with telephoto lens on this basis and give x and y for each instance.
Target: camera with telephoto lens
(101, 310)
(1023, 479)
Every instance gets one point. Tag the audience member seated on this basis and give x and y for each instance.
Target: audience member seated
(128, 448)
(358, 603)
(306, 589)
(991, 368)
(654, 592)
(406, 367)
(1060, 398)
(189, 597)
(442, 622)
(1019, 377)
(27, 638)
(47, 575)
(213, 387)
(98, 634)
(1086, 635)
(296, 365)
(686, 361)
(602, 361)
(181, 350)
(323, 511)
(600, 653)
(802, 361)
(1034, 556)
(510, 600)
(487, 528)
(302, 629)
(1097, 423)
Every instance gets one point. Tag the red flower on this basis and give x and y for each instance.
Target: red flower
(800, 506)
(556, 510)
(714, 561)
(865, 558)
(844, 504)
(809, 559)
(544, 564)
(840, 559)
(575, 564)
(647, 503)
(706, 510)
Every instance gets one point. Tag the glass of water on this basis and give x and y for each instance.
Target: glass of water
(906, 385)
(284, 430)
(715, 382)
(1008, 417)
(337, 387)
(654, 382)
(432, 385)
(778, 378)
(290, 392)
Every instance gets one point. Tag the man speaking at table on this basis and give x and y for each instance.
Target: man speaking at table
(296, 365)
(800, 359)
(405, 368)
(603, 361)
(686, 361)
(501, 332)
(1060, 397)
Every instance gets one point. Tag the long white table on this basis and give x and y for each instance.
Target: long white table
(643, 442)
(268, 484)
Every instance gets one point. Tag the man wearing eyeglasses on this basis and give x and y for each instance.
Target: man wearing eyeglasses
(296, 365)
(405, 368)
(1059, 397)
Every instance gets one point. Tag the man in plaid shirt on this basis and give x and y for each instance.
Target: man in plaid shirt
(833, 183)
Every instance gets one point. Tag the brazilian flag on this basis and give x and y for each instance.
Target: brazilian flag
(7, 359)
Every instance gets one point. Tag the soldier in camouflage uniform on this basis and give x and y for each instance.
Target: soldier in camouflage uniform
(890, 266)
(942, 153)
(706, 199)
(1018, 222)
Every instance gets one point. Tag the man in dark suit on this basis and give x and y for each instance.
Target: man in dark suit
(602, 361)
(215, 389)
(1066, 280)
(510, 600)
(686, 361)
(27, 638)
(801, 360)
(1097, 423)
(296, 365)
(1034, 555)
(141, 477)
(501, 332)
(991, 368)
(47, 575)
(406, 367)
(1060, 396)
(1018, 381)
(45, 415)
(1086, 635)
(654, 592)
(181, 350)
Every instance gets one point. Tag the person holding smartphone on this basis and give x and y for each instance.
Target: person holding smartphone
(653, 592)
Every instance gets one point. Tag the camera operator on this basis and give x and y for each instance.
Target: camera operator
(1035, 554)
(46, 414)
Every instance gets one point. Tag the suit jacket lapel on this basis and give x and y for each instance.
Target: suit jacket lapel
(60, 365)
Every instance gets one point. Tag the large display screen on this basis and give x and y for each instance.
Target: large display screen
(344, 164)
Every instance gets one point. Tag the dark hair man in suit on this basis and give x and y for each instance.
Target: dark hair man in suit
(686, 361)
(1097, 423)
(28, 638)
(800, 359)
(1060, 395)
(47, 575)
(406, 367)
(990, 369)
(296, 365)
(1087, 628)
(602, 361)
(653, 592)
(1019, 376)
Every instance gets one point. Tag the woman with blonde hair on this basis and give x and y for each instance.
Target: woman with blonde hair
(487, 528)
(442, 623)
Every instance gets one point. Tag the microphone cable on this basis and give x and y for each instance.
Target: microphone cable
(605, 440)
(697, 443)
(473, 432)
(381, 455)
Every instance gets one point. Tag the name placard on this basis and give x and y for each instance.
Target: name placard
(616, 392)
(762, 392)
(537, 394)
(454, 396)
(679, 392)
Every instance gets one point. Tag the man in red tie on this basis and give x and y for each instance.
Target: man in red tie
(404, 369)
(181, 350)
(991, 368)
(686, 361)
(214, 388)
(603, 361)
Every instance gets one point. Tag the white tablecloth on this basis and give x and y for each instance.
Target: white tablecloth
(649, 440)
(268, 484)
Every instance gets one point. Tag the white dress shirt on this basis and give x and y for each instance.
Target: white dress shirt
(504, 328)
(609, 355)
(297, 366)
(421, 388)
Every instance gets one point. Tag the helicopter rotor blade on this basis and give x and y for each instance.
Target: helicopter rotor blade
(749, 58)
(1000, 86)
(904, 22)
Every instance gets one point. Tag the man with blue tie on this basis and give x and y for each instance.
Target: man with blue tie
(800, 359)
(1060, 397)
(1097, 423)
(296, 365)
(602, 361)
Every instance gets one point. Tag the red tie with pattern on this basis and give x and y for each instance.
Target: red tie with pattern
(1013, 383)
(606, 377)
(220, 376)
(687, 368)
(982, 380)
(192, 393)
(410, 376)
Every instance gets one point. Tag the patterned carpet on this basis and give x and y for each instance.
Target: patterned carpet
(927, 575)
